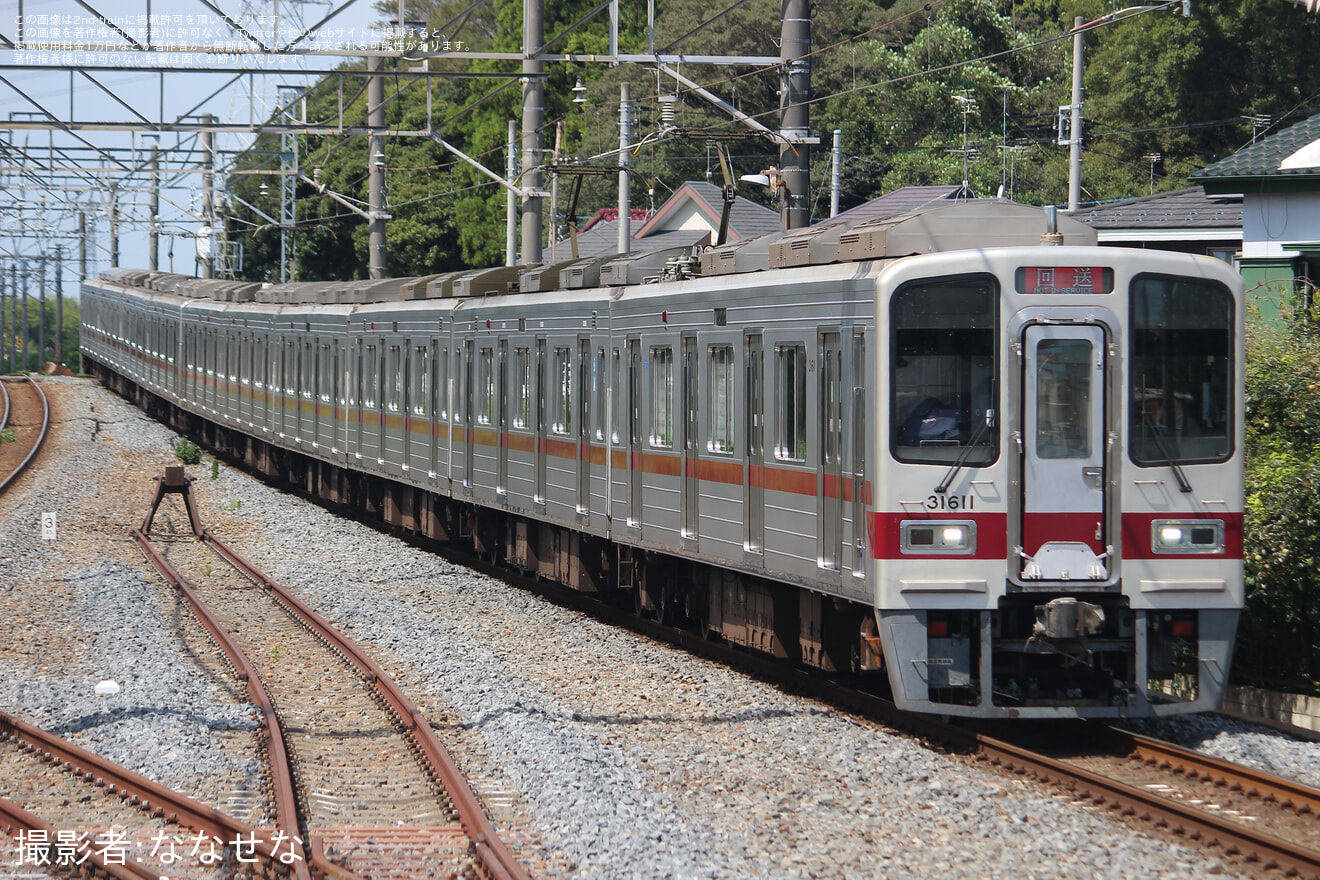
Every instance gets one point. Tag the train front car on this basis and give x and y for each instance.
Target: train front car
(1057, 521)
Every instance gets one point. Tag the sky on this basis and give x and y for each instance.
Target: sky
(78, 67)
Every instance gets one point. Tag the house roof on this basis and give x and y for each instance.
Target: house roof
(1289, 159)
(746, 220)
(902, 200)
(1185, 214)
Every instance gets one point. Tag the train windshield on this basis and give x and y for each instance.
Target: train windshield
(1181, 369)
(943, 372)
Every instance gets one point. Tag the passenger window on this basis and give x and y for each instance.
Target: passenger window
(421, 381)
(791, 391)
(562, 388)
(486, 386)
(721, 399)
(394, 376)
(522, 378)
(599, 384)
(662, 397)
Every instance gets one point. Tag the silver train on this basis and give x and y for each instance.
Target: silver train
(964, 447)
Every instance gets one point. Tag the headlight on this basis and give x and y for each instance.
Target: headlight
(945, 536)
(1187, 536)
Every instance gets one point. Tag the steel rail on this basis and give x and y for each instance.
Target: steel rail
(1205, 828)
(4, 419)
(41, 437)
(1235, 777)
(496, 861)
(140, 791)
(281, 779)
(14, 818)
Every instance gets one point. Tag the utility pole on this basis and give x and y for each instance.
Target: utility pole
(153, 239)
(794, 109)
(625, 144)
(82, 247)
(23, 330)
(836, 178)
(208, 197)
(376, 168)
(4, 318)
(1075, 135)
(114, 225)
(13, 291)
(41, 312)
(511, 198)
(59, 305)
(532, 119)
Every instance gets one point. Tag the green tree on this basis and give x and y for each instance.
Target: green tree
(1279, 642)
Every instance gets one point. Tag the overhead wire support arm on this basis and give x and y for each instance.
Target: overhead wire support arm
(341, 199)
(1184, 7)
(711, 97)
(521, 192)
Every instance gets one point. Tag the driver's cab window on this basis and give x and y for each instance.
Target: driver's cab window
(943, 372)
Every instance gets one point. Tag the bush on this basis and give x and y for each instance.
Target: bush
(188, 452)
(1277, 644)
(8, 435)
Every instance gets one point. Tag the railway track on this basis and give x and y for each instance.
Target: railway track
(357, 775)
(1248, 815)
(1257, 818)
(24, 422)
(68, 809)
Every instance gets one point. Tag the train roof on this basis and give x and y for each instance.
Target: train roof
(953, 226)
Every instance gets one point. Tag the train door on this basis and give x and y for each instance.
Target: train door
(754, 484)
(584, 429)
(542, 391)
(307, 391)
(469, 410)
(502, 426)
(292, 379)
(1063, 473)
(408, 401)
(437, 407)
(320, 394)
(634, 432)
(208, 370)
(859, 454)
(338, 408)
(269, 355)
(276, 389)
(831, 446)
(381, 390)
(359, 391)
(691, 492)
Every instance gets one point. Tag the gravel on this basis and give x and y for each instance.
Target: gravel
(606, 755)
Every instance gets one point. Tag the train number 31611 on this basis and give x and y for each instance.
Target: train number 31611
(950, 502)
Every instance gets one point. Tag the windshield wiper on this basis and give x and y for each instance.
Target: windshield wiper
(1158, 436)
(966, 451)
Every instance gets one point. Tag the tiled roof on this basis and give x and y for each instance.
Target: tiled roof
(747, 219)
(603, 238)
(1268, 157)
(1180, 209)
(609, 215)
(902, 200)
